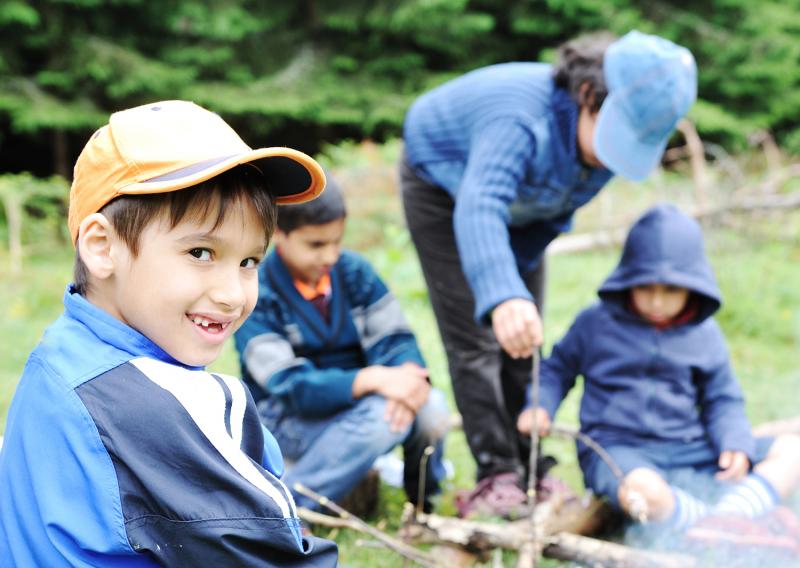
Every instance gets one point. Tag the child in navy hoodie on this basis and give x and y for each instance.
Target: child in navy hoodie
(659, 392)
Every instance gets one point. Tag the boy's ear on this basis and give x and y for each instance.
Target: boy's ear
(586, 95)
(96, 240)
(278, 236)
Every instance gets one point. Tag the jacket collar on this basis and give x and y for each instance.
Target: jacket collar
(113, 332)
(277, 274)
(564, 137)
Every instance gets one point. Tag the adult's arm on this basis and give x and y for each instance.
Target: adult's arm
(498, 158)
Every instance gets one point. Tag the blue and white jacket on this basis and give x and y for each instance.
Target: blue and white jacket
(289, 351)
(640, 383)
(117, 455)
(501, 141)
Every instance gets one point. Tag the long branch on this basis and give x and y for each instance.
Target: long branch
(420, 557)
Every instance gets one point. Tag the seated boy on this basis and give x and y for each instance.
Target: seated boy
(120, 450)
(335, 366)
(659, 392)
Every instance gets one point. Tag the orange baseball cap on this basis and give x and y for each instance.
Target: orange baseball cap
(171, 145)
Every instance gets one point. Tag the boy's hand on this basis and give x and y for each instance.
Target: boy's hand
(518, 327)
(406, 384)
(526, 419)
(398, 415)
(734, 465)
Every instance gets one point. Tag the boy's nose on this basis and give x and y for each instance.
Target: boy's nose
(228, 291)
(330, 255)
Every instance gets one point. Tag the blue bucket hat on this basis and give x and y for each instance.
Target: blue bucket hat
(651, 84)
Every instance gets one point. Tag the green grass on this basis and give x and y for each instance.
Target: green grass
(757, 262)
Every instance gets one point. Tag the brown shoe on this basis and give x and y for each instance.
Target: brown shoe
(498, 495)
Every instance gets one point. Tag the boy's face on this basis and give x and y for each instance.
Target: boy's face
(309, 252)
(190, 287)
(659, 303)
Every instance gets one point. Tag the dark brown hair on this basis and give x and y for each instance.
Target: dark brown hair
(129, 215)
(329, 206)
(580, 61)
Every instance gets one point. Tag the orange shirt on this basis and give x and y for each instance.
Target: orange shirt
(323, 288)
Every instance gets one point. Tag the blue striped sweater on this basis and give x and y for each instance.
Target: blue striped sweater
(289, 351)
(501, 141)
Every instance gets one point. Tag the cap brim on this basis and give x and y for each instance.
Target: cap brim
(293, 176)
(617, 146)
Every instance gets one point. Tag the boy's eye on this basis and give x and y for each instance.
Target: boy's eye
(201, 253)
(249, 263)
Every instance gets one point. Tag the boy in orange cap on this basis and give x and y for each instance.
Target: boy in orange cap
(120, 449)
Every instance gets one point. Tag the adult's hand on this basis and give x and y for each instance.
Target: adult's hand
(518, 327)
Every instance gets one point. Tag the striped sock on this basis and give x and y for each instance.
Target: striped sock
(688, 509)
(751, 497)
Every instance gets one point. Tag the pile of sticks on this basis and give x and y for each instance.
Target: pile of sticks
(562, 525)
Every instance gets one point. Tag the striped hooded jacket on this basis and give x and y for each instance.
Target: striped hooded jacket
(117, 455)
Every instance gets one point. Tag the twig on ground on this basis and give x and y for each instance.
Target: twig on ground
(420, 557)
(778, 427)
(766, 198)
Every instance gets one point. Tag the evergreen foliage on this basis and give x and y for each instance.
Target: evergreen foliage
(318, 71)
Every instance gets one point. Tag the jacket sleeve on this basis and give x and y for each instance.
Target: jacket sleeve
(270, 360)
(722, 401)
(385, 335)
(496, 167)
(559, 371)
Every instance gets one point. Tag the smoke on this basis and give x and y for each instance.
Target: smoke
(769, 541)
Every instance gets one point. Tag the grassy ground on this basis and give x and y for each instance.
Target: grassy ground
(757, 261)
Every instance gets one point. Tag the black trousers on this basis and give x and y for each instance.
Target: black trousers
(489, 386)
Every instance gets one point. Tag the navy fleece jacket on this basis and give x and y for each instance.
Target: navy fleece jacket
(642, 383)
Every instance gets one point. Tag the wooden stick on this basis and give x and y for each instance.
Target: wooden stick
(323, 520)
(697, 160)
(778, 427)
(420, 557)
(594, 552)
(614, 236)
(529, 552)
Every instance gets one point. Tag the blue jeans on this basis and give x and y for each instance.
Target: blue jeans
(331, 455)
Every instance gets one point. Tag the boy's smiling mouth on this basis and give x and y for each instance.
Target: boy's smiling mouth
(209, 325)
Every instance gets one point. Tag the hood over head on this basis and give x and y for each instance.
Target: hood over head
(664, 246)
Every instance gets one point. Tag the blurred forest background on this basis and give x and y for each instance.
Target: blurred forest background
(314, 72)
(334, 79)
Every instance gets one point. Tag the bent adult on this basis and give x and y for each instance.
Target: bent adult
(495, 164)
